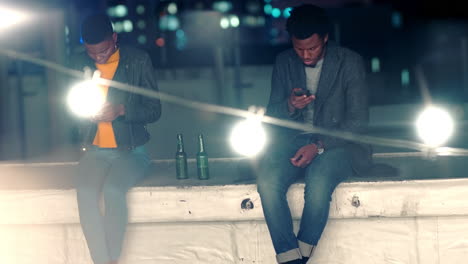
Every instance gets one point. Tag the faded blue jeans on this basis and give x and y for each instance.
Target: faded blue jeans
(107, 173)
(275, 176)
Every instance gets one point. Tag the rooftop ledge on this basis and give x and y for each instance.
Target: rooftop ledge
(43, 193)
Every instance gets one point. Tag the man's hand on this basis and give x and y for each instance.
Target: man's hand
(109, 113)
(304, 155)
(298, 102)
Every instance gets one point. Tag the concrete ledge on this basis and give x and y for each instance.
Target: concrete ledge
(422, 198)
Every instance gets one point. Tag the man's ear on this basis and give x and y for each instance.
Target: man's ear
(325, 39)
(114, 37)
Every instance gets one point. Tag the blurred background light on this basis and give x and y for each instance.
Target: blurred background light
(141, 39)
(287, 12)
(276, 12)
(181, 39)
(434, 126)
(234, 21)
(405, 77)
(222, 6)
(267, 9)
(397, 20)
(118, 26)
(121, 11)
(117, 11)
(375, 64)
(141, 24)
(253, 7)
(127, 25)
(140, 9)
(160, 42)
(224, 22)
(169, 22)
(180, 33)
(10, 17)
(172, 8)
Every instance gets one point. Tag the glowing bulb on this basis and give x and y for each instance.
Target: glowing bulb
(248, 137)
(224, 23)
(234, 21)
(10, 17)
(434, 126)
(85, 99)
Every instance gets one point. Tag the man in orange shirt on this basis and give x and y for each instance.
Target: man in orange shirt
(115, 158)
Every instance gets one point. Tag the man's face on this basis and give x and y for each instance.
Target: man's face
(101, 51)
(311, 49)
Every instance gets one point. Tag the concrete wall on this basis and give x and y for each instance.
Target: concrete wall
(412, 222)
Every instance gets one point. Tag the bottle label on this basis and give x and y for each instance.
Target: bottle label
(181, 167)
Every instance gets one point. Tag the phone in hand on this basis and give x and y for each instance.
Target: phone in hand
(302, 92)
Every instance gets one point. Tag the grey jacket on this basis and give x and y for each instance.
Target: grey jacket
(135, 68)
(341, 102)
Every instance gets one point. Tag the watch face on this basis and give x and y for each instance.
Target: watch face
(320, 150)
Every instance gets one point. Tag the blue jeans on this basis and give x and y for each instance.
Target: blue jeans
(110, 173)
(276, 174)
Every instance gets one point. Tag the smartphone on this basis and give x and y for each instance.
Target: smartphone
(302, 92)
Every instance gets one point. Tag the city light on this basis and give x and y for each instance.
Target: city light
(142, 39)
(434, 126)
(287, 12)
(267, 9)
(10, 17)
(85, 99)
(234, 21)
(375, 64)
(169, 22)
(276, 12)
(222, 6)
(248, 137)
(172, 8)
(140, 9)
(224, 23)
(141, 24)
(127, 25)
(117, 11)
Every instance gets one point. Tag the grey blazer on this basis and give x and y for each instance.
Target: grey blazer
(341, 100)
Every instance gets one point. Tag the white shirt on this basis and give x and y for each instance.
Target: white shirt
(312, 80)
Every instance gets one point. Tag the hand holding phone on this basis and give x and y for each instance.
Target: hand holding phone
(299, 98)
(301, 92)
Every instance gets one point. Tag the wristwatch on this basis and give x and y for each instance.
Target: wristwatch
(320, 148)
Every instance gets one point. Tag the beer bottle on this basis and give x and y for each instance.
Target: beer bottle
(202, 160)
(181, 159)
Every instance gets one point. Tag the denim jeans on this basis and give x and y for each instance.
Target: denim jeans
(107, 173)
(275, 176)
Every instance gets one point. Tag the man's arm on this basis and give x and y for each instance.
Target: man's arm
(357, 103)
(148, 109)
(279, 96)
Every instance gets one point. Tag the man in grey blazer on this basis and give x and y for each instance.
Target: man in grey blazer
(320, 83)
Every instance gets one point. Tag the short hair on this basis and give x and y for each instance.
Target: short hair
(96, 28)
(306, 20)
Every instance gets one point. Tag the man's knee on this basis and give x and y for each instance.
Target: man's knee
(113, 192)
(87, 193)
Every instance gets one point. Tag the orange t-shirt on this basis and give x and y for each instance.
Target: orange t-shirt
(105, 137)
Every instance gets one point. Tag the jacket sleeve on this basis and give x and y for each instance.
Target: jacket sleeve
(278, 103)
(357, 103)
(147, 109)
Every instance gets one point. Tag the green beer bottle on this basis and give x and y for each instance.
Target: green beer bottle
(181, 159)
(202, 160)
